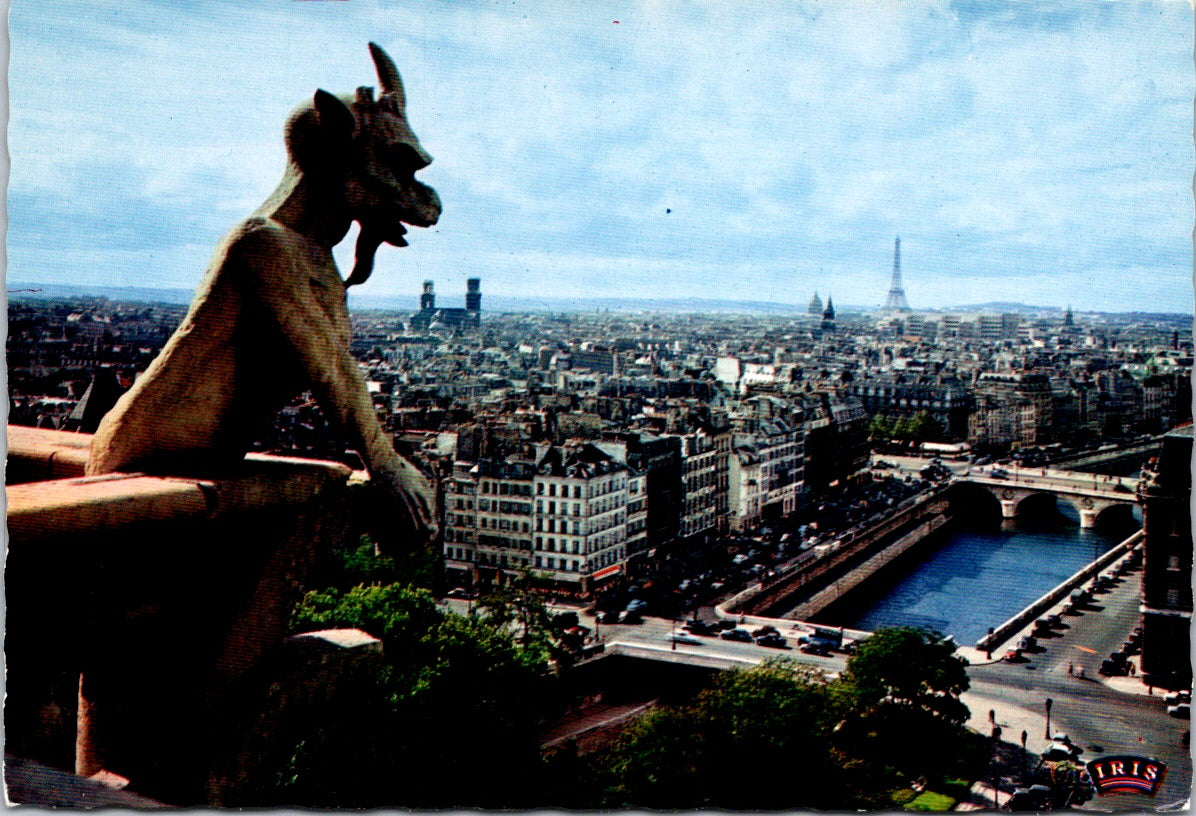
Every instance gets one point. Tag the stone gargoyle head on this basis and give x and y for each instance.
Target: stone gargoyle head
(363, 149)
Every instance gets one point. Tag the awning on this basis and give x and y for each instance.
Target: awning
(611, 570)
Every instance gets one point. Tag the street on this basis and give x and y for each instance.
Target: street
(1102, 715)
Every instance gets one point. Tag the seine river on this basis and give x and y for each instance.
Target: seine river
(974, 579)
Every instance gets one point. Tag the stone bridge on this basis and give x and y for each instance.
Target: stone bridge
(1089, 494)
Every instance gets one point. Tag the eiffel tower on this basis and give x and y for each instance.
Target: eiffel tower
(897, 301)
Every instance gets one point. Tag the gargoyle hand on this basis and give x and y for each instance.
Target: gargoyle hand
(408, 505)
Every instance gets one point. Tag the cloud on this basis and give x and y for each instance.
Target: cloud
(778, 145)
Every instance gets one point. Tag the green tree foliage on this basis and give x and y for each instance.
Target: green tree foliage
(921, 427)
(517, 604)
(774, 721)
(906, 681)
(881, 428)
(447, 718)
(911, 667)
(925, 428)
(356, 561)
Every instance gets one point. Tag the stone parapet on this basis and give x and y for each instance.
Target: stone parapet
(136, 604)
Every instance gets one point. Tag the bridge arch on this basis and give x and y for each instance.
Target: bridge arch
(1043, 503)
(970, 500)
(1120, 515)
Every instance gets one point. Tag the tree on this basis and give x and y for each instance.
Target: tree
(451, 699)
(776, 720)
(913, 667)
(881, 428)
(925, 428)
(518, 603)
(906, 681)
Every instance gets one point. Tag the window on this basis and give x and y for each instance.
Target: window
(552, 490)
(1173, 597)
(1173, 563)
(539, 492)
(577, 491)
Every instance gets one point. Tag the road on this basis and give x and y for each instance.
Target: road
(1102, 716)
(911, 465)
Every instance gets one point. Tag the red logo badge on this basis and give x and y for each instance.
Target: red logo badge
(1127, 774)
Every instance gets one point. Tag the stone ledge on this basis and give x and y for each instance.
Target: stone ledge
(90, 503)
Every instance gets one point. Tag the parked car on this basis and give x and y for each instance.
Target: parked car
(457, 592)
(1175, 697)
(773, 640)
(1113, 668)
(1033, 798)
(1181, 710)
(767, 629)
(737, 634)
(609, 617)
(1060, 751)
(724, 624)
(630, 616)
(700, 627)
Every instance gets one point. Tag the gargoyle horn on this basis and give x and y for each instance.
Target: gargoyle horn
(388, 75)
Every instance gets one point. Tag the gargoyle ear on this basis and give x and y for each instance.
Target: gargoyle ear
(335, 117)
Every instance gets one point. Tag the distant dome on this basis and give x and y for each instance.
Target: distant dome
(815, 307)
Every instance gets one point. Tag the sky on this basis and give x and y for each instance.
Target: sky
(1039, 152)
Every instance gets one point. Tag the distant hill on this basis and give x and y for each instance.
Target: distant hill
(1001, 307)
(501, 303)
(409, 303)
(128, 294)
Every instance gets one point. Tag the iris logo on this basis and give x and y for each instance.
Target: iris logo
(1127, 774)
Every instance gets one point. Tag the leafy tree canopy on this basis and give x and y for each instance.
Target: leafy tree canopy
(913, 667)
(774, 720)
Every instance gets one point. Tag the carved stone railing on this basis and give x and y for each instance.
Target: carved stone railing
(137, 605)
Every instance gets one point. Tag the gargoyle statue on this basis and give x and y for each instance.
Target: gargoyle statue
(270, 317)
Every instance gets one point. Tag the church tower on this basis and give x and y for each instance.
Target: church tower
(828, 315)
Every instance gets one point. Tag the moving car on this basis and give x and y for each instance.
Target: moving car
(772, 640)
(741, 635)
(816, 647)
(682, 637)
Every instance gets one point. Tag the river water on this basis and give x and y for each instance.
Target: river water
(971, 579)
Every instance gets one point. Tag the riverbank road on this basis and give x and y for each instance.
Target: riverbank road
(1103, 716)
(901, 466)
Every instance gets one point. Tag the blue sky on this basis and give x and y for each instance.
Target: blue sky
(1033, 151)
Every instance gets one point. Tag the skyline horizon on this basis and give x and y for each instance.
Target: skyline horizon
(630, 150)
(34, 290)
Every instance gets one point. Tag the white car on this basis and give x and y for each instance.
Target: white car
(1181, 710)
(1174, 697)
(682, 637)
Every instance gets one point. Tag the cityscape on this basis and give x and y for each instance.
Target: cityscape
(640, 469)
(803, 428)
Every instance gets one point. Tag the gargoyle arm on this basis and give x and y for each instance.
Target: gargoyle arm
(315, 322)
